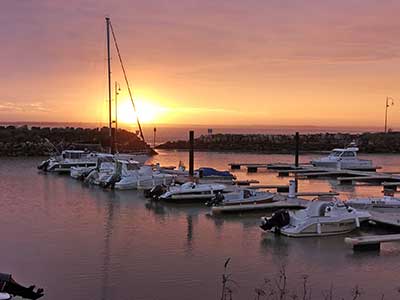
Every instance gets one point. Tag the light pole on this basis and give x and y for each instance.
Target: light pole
(386, 110)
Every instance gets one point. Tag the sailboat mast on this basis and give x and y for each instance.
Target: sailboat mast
(116, 91)
(109, 85)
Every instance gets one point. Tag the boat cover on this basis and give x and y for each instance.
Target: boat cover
(212, 172)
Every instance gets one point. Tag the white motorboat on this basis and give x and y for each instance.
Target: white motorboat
(242, 200)
(103, 171)
(141, 178)
(192, 191)
(140, 157)
(83, 161)
(345, 158)
(69, 158)
(82, 172)
(320, 218)
(370, 203)
(110, 174)
(5, 296)
(180, 171)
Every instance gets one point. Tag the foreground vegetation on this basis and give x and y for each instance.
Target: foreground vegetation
(277, 288)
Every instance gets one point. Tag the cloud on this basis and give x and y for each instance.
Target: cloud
(12, 107)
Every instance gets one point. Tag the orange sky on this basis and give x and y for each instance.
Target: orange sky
(204, 62)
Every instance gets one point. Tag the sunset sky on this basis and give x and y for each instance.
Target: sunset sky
(236, 62)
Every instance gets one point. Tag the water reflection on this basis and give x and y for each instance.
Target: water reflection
(108, 230)
(119, 245)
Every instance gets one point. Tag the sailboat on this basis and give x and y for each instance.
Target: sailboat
(80, 163)
(113, 131)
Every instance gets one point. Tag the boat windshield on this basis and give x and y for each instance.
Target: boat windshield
(335, 153)
(349, 154)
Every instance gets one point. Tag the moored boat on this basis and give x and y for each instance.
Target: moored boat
(371, 203)
(142, 178)
(67, 159)
(192, 191)
(320, 218)
(344, 158)
(243, 200)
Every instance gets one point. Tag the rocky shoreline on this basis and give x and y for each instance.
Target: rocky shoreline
(264, 143)
(38, 141)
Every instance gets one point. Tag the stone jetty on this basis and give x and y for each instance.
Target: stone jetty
(34, 141)
(266, 143)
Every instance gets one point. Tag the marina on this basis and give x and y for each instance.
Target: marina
(109, 213)
(198, 150)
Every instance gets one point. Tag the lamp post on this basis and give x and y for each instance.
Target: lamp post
(387, 105)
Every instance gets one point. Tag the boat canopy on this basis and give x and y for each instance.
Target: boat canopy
(350, 149)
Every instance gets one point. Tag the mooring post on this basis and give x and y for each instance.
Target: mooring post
(296, 154)
(296, 158)
(191, 153)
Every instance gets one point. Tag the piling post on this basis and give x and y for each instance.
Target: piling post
(296, 154)
(292, 189)
(296, 159)
(154, 137)
(191, 153)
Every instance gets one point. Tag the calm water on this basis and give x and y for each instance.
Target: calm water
(81, 242)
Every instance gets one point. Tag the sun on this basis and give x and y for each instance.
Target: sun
(148, 112)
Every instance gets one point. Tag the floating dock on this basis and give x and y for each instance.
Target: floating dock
(371, 242)
(390, 180)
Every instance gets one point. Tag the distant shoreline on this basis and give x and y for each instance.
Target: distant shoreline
(384, 143)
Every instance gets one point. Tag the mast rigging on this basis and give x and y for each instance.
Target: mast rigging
(126, 80)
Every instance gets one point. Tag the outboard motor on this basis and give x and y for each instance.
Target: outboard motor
(91, 176)
(278, 220)
(10, 286)
(43, 166)
(217, 200)
(111, 181)
(155, 192)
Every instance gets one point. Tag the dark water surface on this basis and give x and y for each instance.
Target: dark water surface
(81, 242)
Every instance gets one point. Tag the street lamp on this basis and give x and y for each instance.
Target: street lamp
(386, 110)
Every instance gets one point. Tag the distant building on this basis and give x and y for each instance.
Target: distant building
(209, 131)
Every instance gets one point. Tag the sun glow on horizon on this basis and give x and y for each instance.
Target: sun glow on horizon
(148, 111)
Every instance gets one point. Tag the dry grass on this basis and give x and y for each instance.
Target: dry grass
(277, 289)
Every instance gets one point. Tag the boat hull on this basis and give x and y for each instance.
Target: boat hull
(326, 229)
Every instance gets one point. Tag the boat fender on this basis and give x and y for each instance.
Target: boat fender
(357, 222)
(319, 228)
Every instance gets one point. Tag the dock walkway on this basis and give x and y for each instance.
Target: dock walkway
(389, 180)
(371, 242)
